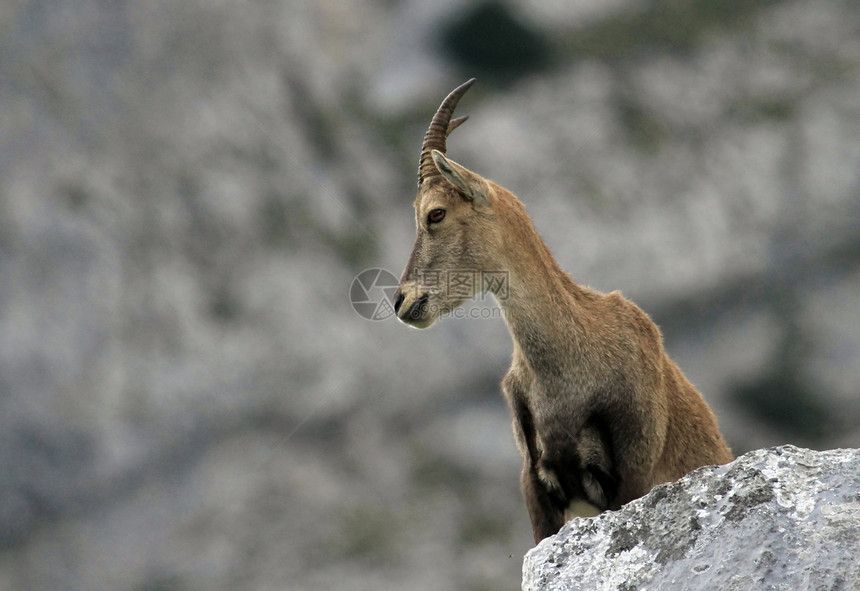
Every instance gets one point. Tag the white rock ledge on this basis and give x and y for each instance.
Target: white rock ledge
(782, 518)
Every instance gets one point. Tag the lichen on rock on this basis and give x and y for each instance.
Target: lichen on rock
(782, 518)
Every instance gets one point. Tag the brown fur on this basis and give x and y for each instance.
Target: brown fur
(600, 413)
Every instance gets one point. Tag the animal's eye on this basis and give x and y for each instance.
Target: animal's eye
(435, 216)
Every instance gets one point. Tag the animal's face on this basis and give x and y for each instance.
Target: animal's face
(453, 246)
(452, 213)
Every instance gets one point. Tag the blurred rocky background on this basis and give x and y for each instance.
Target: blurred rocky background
(188, 399)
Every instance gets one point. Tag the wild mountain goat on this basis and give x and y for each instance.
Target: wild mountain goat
(600, 413)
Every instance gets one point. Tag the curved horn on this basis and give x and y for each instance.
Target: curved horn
(437, 133)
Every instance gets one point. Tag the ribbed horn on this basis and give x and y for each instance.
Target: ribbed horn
(437, 133)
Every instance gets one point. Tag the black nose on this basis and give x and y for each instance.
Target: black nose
(398, 300)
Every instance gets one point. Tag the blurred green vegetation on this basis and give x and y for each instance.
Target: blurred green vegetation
(479, 527)
(491, 41)
(430, 471)
(665, 25)
(367, 534)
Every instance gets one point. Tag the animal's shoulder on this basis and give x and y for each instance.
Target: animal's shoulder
(625, 317)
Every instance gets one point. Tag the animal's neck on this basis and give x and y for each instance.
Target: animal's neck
(542, 306)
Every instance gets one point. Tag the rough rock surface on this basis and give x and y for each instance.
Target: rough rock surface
(782, 518)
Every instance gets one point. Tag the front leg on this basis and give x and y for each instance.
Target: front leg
(544, 511)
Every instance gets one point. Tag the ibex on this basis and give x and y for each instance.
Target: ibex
(600, 413)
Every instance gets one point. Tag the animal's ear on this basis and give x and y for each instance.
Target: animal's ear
(469, 184)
